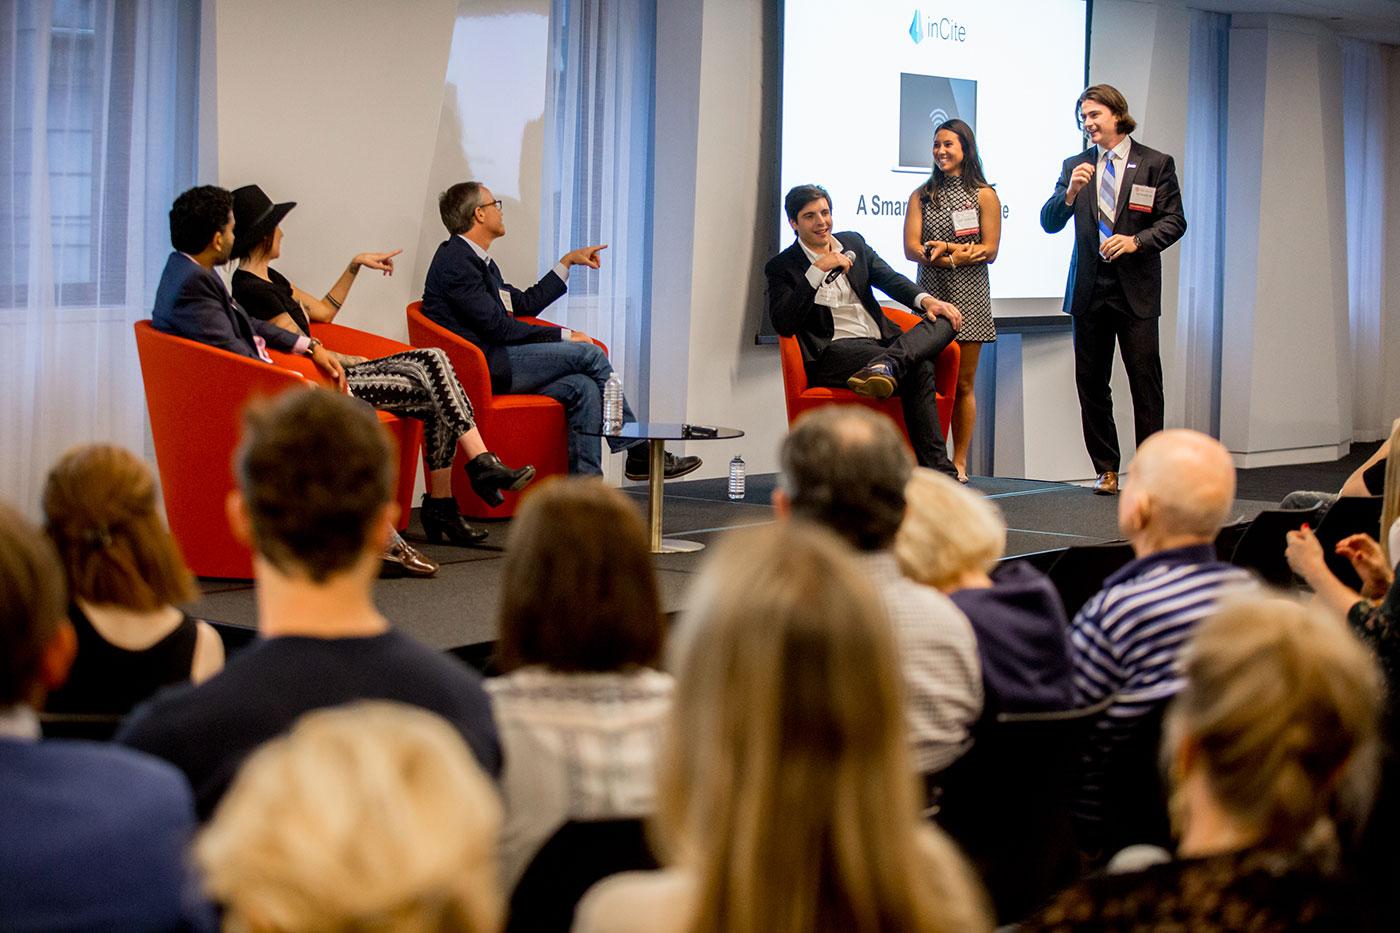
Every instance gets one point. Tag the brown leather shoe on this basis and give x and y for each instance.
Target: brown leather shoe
(401, 559)
(1106, 484)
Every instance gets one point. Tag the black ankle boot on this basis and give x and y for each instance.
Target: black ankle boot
(488, 476)
(442, 521)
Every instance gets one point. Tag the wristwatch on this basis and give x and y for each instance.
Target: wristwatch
(311, 347)
(1137, 241)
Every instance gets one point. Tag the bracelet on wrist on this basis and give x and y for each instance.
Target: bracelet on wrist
(330, 299)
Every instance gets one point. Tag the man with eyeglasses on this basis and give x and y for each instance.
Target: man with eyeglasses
(466, 293)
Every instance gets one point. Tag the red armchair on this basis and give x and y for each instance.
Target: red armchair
(195, 395)
(801, 397)
(520, 429)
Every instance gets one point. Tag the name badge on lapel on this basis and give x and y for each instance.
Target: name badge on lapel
(965, 222)
(1141, 198)
(505, 300)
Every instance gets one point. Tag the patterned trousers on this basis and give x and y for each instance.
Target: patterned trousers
(418, 384)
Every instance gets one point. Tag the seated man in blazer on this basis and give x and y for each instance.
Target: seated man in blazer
(819, 290)
(95, 835)
(466, 293)
(192, 302)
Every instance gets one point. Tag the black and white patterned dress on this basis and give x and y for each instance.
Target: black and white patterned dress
(966, 287)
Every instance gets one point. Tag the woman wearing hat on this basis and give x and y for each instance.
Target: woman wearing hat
(416, 383)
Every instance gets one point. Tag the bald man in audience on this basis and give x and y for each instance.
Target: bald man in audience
(1125, 642)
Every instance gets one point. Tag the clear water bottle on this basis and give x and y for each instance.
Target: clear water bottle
(612, 403)
(736, 477)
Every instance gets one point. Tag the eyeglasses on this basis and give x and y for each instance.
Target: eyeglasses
(496, 204)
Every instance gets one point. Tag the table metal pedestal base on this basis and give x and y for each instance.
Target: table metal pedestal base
(660, 545)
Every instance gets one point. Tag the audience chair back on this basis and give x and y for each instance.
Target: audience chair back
(576, 857)
(1349, 515)
(1007, 803)
(195, 395)
(1135, 791)
(518, 428)
(1260, 548)
(1080, 571)
(801, 396)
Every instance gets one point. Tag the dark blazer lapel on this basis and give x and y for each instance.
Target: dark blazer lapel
(1126, 188)
(859, 271)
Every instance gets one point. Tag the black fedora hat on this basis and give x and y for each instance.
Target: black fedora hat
(254, 217)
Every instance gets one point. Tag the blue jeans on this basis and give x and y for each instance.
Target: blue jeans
(572, 372)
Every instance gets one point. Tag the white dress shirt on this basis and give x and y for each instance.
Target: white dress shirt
(848, 316)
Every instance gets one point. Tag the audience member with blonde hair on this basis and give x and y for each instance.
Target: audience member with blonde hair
(1274, 729)
(125, 576)
(786, 800)
(581, 707)
(1125, 642)
(952, 539)
(372, 816)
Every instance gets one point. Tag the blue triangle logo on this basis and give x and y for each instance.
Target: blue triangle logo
(916, 30)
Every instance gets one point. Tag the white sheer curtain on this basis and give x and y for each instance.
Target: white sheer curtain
(1364, 128)
(598, 173)
(97, 136)
(1203, 169)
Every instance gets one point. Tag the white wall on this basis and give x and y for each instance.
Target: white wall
(1285, 345)
(489, 128)
(715, 187)
(336, 107)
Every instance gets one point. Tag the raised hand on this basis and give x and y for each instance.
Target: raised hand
(584, 256)
(1083, 174)
(382, 262)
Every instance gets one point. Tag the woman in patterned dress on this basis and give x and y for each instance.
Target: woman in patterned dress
(952, 229)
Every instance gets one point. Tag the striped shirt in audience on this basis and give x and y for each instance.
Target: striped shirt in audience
(1126, 641)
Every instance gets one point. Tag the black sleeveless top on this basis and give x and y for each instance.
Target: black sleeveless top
(266, 299)
(109, 679)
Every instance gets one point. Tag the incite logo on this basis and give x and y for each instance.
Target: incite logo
(916, 29)
(936, 27)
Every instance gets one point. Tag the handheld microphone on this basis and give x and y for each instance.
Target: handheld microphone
(834, 273)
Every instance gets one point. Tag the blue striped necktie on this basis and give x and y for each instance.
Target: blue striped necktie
(1107, 204)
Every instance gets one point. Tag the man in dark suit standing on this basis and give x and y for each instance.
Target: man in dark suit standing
(819, 290)
(466, 293)
(1126, 206)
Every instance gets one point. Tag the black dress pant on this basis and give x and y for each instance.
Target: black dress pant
(1107, 321)
(912, 355)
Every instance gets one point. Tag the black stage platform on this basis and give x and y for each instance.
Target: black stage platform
(456, 610)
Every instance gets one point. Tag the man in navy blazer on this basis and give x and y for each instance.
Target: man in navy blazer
(819, 291)
(466, 293)
(192, 302)
(1126, 206)
(94, 835)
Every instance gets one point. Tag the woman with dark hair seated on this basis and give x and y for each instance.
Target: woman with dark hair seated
(125, 576)
(1275, 732)
(581, 707)
(416, 383)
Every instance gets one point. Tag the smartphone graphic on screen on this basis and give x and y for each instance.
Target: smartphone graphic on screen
(925, 103)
